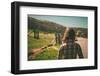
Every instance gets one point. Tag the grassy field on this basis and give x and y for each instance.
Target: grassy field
(48, 53)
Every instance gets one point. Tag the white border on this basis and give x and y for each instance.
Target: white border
(26, 65)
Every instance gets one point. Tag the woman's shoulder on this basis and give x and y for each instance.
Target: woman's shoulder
(62, 45)
(77, 44)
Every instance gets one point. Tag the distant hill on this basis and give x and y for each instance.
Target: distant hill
(45, 26)
(81, 32)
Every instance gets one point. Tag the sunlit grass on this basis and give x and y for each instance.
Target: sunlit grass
(48, 53)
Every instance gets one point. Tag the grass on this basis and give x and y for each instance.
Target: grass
(38, 43)
(48, 53)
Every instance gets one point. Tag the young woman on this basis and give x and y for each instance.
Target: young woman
(70, 49)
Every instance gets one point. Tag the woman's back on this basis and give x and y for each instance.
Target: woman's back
(70, 51)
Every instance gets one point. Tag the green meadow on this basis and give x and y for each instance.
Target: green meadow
(48, 53)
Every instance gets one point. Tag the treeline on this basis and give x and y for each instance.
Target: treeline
(81, 32)
(44, 26)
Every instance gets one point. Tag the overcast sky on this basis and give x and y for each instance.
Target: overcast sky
(68, 21)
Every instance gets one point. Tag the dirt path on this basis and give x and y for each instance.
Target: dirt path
(84, 45)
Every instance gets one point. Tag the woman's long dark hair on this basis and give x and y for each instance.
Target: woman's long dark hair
(69, 35)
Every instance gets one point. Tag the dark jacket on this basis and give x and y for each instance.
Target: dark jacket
(70, 51)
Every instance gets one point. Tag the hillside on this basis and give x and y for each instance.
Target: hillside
(45, 26)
